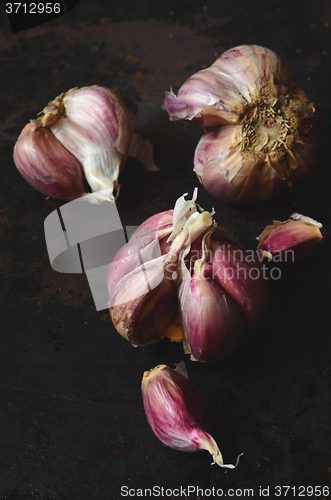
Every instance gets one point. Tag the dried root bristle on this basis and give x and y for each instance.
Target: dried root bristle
(268, 127)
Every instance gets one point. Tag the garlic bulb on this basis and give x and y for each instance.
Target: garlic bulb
(267, 134)
(87, 133)
(176, 412)
(183, 277)
(142, 278)
(292, 240)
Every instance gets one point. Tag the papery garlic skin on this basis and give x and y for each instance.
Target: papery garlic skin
(176, 413)
(268, 135)
(47, 165)
(94, 125)
(292, 240)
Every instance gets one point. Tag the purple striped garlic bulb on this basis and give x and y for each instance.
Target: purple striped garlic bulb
(84, 136)
(183, 277)
(266, 134)
(176, 412)
(290, 241)
(143, 278)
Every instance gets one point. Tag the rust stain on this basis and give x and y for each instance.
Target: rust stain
(132, 41)
(132, 57)
(38, 465)
(110, 449)
(314, 59)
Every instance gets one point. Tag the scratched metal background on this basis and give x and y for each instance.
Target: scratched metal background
(72, 424)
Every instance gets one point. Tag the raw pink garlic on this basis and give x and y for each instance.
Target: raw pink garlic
(267, 135)
(213, 324)
(292, 240)
(47, 165)
(177, 414)
(241, 275)
(84, 134)
(181, 257)
(142, 278)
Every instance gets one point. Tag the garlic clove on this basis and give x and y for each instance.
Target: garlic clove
(241, 276)
(176, 412)
(97, 129)
(47, 165)
(149, 245)
(236, 271)
(291, 240)
(144, 302)
(148, 241)
(213, 323)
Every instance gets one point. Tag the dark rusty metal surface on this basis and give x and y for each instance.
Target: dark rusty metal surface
(72, 424)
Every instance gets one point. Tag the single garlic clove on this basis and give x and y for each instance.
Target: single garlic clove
(242, 276)
(143, 304)
(213, 323)
(144, 245)
(268, 135)
(47, 165)
(176, 412)
(96, 127)
(292, 240)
